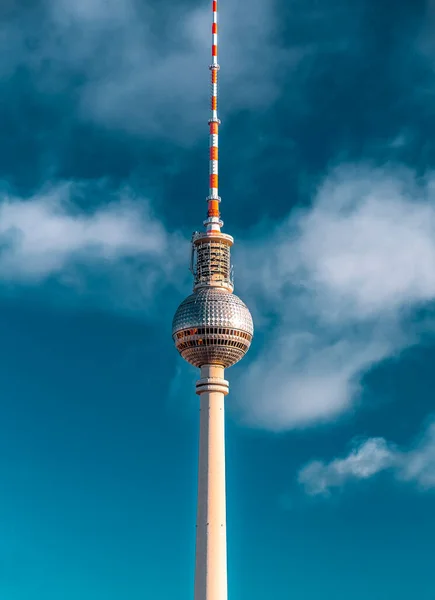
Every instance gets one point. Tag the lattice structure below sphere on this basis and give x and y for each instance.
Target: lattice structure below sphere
(212, 326)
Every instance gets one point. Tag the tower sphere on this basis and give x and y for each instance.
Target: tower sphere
(212, 327)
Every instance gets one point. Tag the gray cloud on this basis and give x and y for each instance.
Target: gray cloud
(333, 287)
(161, 85)
(369, 458)
(145, 71)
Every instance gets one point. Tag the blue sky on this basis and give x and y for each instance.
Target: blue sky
(328, 185)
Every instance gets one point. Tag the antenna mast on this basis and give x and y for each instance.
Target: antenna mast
(213, 221)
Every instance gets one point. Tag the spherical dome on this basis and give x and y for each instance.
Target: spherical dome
(212, 326)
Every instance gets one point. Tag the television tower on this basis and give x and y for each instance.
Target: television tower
(212, 329)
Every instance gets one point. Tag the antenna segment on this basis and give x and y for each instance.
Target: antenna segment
(213, 221)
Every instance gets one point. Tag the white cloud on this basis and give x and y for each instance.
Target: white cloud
(304, 378)
(368, 244)
(367, 459)
(364, 461)
(44, 235)
(418, 465)
(333, 287)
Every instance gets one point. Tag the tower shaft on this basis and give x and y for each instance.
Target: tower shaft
(211, 551)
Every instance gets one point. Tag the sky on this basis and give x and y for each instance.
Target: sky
(327, 177)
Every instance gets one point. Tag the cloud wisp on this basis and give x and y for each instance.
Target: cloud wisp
(145, 71)
(43, 235)
(368, 458)
(148, 86)
(117, 256)
(39, 237)
(334, 289)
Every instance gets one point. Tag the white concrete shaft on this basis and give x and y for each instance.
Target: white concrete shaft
(211, 526)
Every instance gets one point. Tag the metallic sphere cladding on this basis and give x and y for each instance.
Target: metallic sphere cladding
(212, 326)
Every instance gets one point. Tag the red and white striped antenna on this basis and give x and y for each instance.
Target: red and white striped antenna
(213, 221)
